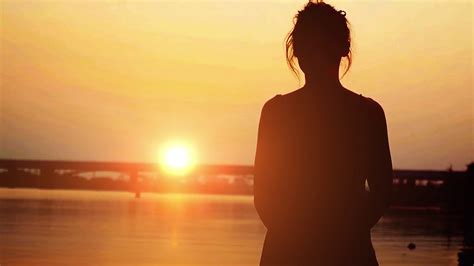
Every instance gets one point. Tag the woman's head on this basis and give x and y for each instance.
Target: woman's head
(319, 39)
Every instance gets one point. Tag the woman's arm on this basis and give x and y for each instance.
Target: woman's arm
(379, 165)
(268, 196)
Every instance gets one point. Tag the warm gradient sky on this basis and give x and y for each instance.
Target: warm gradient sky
(113, 80)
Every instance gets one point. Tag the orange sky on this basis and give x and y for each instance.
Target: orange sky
(113, 80)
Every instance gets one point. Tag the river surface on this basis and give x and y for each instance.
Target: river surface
(69, 227)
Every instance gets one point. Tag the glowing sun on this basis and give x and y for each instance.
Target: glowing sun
(177, 159)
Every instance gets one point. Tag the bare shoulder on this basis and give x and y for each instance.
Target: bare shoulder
(376, 111)
(292, 96)
(271, 105)
(372, 104)
(375, 107)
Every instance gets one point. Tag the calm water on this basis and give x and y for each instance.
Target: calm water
(57, 227)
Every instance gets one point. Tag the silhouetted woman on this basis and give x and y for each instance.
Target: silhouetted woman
(316, 148)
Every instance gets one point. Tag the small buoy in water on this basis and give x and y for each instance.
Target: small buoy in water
(411, 246)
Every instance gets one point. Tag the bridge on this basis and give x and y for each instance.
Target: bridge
(409, 186)
(131, 169)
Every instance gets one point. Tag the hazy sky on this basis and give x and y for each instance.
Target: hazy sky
(114, 80)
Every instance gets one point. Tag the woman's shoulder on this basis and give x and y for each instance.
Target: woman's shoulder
(280, 99)
(272, 103)
(375, 107)
(368, 103)
(375, 110)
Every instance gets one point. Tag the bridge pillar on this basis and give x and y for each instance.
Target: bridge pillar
(135, 183)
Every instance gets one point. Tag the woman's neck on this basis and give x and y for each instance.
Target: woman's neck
(323, 80)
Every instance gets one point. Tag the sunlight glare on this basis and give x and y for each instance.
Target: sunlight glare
(177, 159)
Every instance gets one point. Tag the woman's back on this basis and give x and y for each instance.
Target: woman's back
(311, 156)
(315, 146)
(319, 145)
